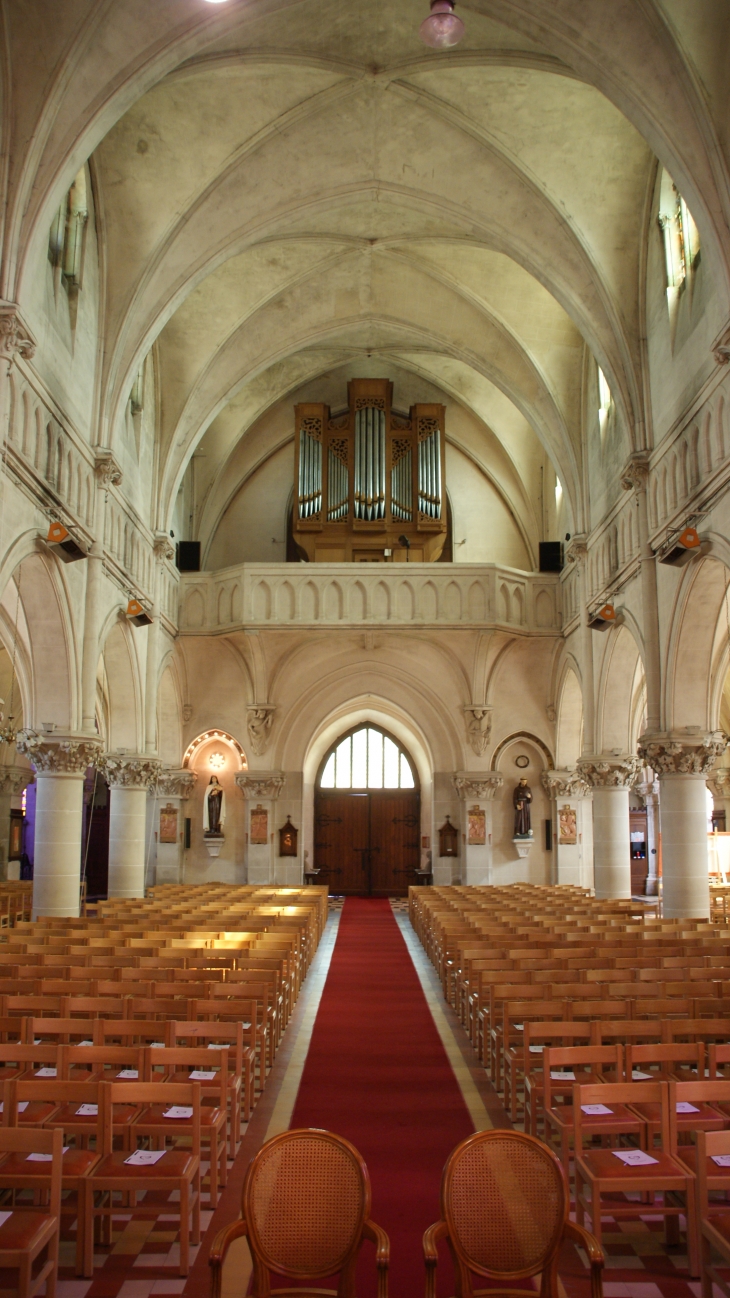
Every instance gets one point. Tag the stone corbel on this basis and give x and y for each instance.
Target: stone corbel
(63, 754)
(636, 472)
(683, 752)
(106, 470)
(15, 338)
(721, 347)
(263, 786)
(478, 721)
(576, 549)
(477, 787)
(163, 547)
(259, 720)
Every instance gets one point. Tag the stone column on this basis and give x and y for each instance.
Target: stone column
(60, 762)
(107, 473)
(476, 791)
(635, 478)
(171, 791)
(163, 550)
(261, 790)
(129, 777)
(572, 817)
(648, 791)
(718, 782)
(611, 775)
(683, 759)
(577, 553)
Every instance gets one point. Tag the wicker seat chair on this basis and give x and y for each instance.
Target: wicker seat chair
(305, 1211)
(504, 1214)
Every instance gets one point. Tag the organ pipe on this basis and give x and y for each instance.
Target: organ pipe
(310, 475)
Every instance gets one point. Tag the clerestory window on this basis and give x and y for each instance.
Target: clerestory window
(680, 234)
(68, 235)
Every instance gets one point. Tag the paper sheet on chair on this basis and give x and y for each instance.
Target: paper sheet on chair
(595, 1110)
(144, 1157)
(129, 1073)
(562, 1077)
(638, 1076)
(722, 1160)
(200, 1075)
(179, 1111)
(634, 1157)
(88, 1111)
(683, 1106)
(536, 1050)
(85, 1043)
(4, 1216)
(21, 1108)
(46, 1072)
(44, 1158)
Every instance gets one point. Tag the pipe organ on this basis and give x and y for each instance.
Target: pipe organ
(369, 479)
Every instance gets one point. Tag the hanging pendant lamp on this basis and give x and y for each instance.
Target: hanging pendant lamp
(443, 27)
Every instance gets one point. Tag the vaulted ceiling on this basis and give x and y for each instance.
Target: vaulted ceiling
(285, 188)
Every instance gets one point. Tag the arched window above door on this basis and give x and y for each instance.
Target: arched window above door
(367, 759)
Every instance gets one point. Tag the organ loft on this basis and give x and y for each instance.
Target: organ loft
(370, 480)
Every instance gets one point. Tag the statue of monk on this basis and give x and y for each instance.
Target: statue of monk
(522, 798)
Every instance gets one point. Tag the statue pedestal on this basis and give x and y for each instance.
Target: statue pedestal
(213, 844)
(523, 846)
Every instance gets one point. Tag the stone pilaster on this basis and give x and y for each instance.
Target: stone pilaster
(13, 779)
(648, 791)
(476, 791)
(577, 553)
(683, 759)
(611, 775)
(129, 776)
(171, 789)
(261, 789)
(635, 477)
(60, 762)
(572, 817)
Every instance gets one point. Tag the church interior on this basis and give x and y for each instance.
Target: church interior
(365, 648)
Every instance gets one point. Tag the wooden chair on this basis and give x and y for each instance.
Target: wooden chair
(242, 1063)
(25, 1233)
(544, 1035)
(305, 1211)
(590, 1063)
(601, 1171)
(713, 1218)
(174, 1065)
(178, 1169)
(504, 1211)
(17, 1173)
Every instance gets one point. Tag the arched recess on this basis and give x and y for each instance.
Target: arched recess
(215, 739)
(621, 684)
(569, 727)
(46, 626)
(169, 720)
(534, 757)
(517, 737)
(697, 657)
(119, 676)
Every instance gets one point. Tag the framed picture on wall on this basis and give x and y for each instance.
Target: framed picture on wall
(477, 836)
(168, 824)
(259, 826)
(567, 826)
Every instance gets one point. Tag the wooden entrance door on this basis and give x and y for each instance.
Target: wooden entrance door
(366, 844)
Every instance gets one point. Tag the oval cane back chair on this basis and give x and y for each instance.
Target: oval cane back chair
(305, 1210)
(504, 1214)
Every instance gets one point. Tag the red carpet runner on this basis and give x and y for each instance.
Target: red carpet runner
(377, 1073)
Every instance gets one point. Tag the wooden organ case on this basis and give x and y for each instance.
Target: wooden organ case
(369, 484)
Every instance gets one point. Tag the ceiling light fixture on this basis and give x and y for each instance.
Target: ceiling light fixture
(442, 28)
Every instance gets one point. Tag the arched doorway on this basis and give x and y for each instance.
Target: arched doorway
(367, 815)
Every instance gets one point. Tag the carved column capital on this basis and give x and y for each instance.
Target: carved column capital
(477, 786)
(264, 786)
(682, 752)
(58, 754)
(576, 549)
(565, 784)
(648, 791)
(478, 721)
(609, 770)
(636, 472)
(106, 470)
(13, 779)
(174, 783)
(259, 720)
(129, 770)
(15, 338)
